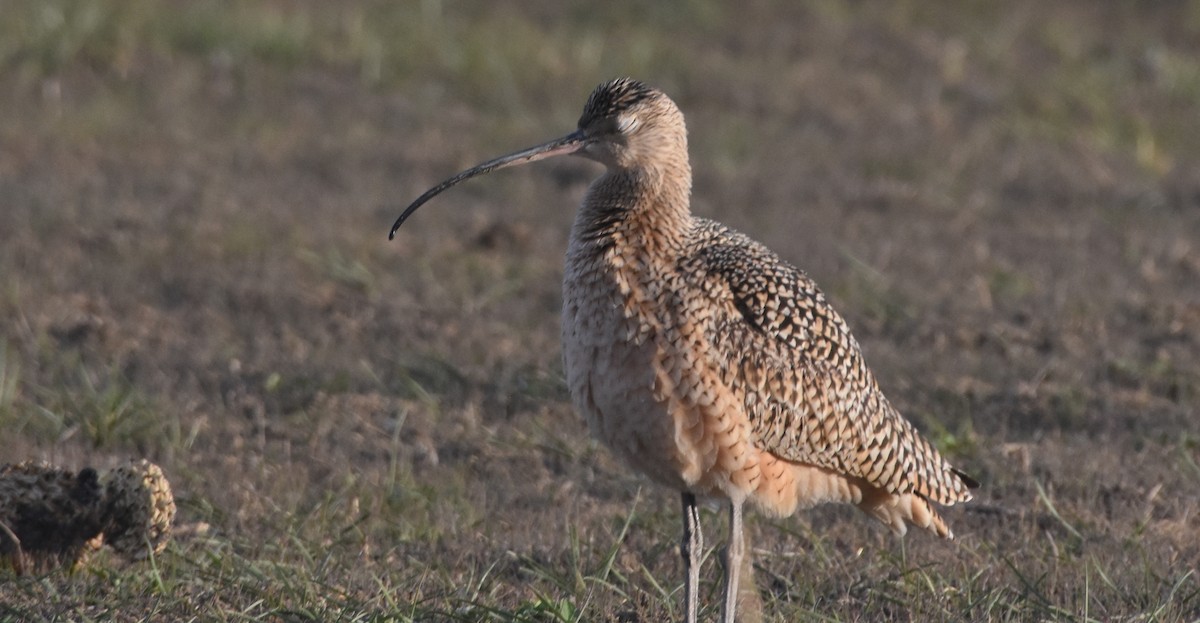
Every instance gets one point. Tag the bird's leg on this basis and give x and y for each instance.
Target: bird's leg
(691, 548)
(749, 602)
(733, 561)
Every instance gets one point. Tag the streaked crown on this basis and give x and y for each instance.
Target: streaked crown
(614, 97)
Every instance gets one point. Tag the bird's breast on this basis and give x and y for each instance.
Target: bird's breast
(609, 349)
(634, 377)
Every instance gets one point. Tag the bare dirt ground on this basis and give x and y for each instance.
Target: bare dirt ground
(1003, 200)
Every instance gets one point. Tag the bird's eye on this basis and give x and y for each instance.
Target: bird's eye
(627, 123)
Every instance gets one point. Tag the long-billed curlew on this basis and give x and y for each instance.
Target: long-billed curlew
(705, 361)
(51, 516)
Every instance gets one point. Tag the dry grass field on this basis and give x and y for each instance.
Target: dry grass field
(1003, 199)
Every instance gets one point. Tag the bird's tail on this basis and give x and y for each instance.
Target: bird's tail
(898, 510)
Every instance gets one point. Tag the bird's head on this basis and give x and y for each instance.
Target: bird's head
(625, 125)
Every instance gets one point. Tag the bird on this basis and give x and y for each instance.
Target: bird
(52, 516)
(707, 362)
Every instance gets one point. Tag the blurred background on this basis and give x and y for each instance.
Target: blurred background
(1003, 199)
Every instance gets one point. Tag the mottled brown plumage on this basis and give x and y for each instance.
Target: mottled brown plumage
(708, 363)
(52, 517)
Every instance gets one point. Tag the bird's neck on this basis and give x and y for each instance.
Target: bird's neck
(645, 208)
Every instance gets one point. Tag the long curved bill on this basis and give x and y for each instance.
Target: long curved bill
(568, 144)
